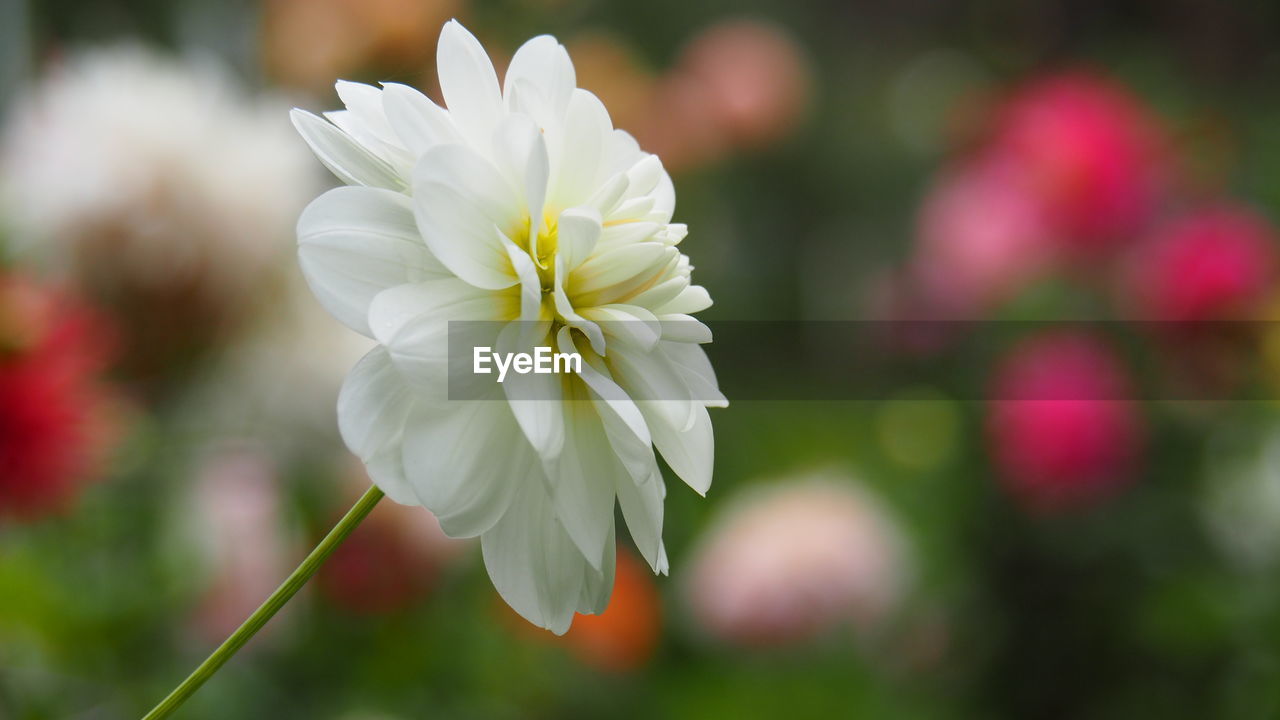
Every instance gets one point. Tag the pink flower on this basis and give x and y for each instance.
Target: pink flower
(1091, 153)
(56, 424)
(982, 236)
(1064, 431)
(790, 561)
(1212, 264)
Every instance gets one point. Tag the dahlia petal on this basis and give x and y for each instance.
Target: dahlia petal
(468, 82)
(351, 162)
(656, 386)
(597, 586)
(520, 152)
(458, 216)
(691, 452)
(607, 269)
(418, 122)
(581, 476)
(449, 459)
(532, 561)
(545, 64)
(632, 325)
(537, 400)
(413, 322)
(580, 150)
(695, 298)
(372, 409)
(681, 328)
(355, 242)
(693, 365)
(579, 230)
(641, 505)
(660, 294)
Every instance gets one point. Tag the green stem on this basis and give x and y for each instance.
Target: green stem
(268, 609)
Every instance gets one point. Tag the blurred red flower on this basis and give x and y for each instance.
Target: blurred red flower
(55, 421)
(391, 561)
(625, 635)
(1212, 264)
(1062, 423)
(1091, 152)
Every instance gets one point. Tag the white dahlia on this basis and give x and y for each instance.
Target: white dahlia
(521, 205)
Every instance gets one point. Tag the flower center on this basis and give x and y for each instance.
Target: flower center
(541, 248)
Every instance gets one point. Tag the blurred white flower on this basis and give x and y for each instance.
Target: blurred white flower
(155, 181)
(1242, 501)
(792, 559)
(520, 202)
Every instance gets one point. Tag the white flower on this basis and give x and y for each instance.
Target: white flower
(142, 170)
(519, 204)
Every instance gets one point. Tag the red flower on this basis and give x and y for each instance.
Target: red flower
(1091, 153)
(54, 427)
(1213, 264)
(1063, 428)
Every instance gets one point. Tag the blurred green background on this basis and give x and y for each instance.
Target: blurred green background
(194, 457)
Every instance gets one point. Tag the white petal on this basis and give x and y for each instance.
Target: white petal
(630, 324)
(583, 475)
(642, 509)
(537, 400)
(655, 384)
(465, 460)
(605, 270)
(355, 242)
(463, 206)
(469, 83)
(413, 322)
(579, 230)
(597, 587)
(351, 162)
(419, 123)
(694, 299)
(690, 453)
(372, 408)
(660, 294)
(579, 152)
(691, 360)
(533, 563)
(684, 329)
(545, 64)
(520, 153)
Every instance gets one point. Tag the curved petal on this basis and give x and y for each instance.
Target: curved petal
(355, 242)
(532, 561)
(583, 475)
(418, 123)
(351, 162)
(372, 409)
(520, 152)
(545, 64)
(468, 82)
(463, 207)
(465, 460)
(597, 587)
(579, 152)
(578, 229)
(413, 322)
(691, 452)
(537, 400)
(642, 509)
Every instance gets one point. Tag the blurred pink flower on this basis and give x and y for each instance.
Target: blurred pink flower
(1212, 264)
(236, 518)
(1091, 152)
(790, 561)
(739, 84)
(755, 77)
(57, 418)
(982, 236)
(1063, 428)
